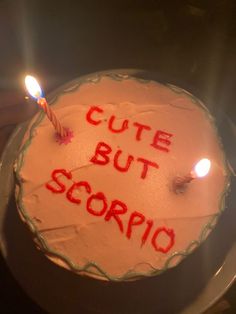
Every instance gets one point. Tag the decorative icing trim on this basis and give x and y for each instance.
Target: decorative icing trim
(92, 267)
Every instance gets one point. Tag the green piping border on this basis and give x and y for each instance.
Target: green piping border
(88, 268)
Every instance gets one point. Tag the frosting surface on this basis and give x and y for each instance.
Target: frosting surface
(104, 204)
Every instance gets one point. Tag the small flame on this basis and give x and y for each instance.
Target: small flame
(202, 168)
(33, 87)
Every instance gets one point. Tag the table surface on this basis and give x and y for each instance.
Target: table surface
(192, 45)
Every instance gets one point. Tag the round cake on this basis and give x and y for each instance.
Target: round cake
(104, 203)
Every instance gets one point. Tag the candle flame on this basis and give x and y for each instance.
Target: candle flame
(202, 168)
(33, 87)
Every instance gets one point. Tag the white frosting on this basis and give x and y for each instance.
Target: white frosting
(69, 229)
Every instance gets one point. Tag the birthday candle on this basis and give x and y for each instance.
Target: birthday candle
(200, 170)
(35, 91)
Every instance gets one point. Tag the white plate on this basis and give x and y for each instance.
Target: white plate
(192, 287)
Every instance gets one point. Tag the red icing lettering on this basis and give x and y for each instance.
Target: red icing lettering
(102, 150)
(135, 219)
(170, 233)
(123, 127)
(54, 174)
(128, 162)
(89, 115)
(162, 240)
(161, 137)
(140, 128)
(77, 185)
(117, 208)
(146, 164)
(98, 196)
(147, 231)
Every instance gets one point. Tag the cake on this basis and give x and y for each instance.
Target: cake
(103, 204)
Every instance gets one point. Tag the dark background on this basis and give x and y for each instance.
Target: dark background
(188, 43)
(191, 43)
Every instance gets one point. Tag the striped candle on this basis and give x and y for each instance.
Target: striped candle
(52, 117)
(200, 170)
(35, 91)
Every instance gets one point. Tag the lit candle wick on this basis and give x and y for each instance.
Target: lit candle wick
(35, 91)
(201, 169)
